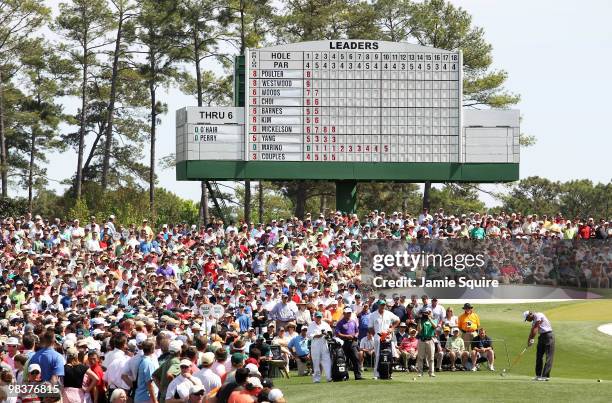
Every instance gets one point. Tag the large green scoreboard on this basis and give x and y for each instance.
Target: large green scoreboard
(353, 110)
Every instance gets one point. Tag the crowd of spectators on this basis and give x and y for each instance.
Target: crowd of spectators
(182, 313)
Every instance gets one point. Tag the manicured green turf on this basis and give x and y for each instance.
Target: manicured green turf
(582, 356)
(455, 387)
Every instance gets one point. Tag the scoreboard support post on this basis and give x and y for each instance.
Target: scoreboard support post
(346, 196)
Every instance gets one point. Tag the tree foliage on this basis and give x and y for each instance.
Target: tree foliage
(577, 198)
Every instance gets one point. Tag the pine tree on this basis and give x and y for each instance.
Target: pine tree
(18, 19)
(158, 25)
(84, 25)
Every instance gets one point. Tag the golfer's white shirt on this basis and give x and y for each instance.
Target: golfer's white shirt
(382, 323)
(545, 325)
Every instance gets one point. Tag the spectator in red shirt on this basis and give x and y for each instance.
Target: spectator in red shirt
(323, 259)
(584, 231)
(210, 267)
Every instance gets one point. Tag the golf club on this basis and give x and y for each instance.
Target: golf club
(514, 362)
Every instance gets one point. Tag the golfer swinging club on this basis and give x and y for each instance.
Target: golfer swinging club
(546, 343)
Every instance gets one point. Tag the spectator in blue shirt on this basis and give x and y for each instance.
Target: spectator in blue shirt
(145, 247)
(66, 300)
(244, 320)
(146, 390)
(364, 318)
(299, 348)
(51, 362)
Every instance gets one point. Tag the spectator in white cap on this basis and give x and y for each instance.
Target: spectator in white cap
(197, 394)
(34, 377)
(12, 345)
(208, 378)
(179, 389)
(18, 295)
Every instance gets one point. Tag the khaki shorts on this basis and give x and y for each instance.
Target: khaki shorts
(468, 337)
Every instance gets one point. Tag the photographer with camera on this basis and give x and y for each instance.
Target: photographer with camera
(426, 327)
(317, 332)
(348, 330)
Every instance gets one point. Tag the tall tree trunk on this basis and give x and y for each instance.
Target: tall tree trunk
(203, 204)
(153, 127)
(247, 201)
(3, 162)
(31, 169)
(261, 201)
(111, 105)
(83, 125)
(203, 185)
(152, 162)
(242, 33)
(426, 191)
(300, 200)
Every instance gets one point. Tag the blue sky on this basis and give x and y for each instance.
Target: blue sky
(558, 58)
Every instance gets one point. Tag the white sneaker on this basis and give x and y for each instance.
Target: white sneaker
(491, 368)
(474, 369)
(432, 375)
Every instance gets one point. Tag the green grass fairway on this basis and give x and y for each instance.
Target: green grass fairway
(582, 356)
(457, 387)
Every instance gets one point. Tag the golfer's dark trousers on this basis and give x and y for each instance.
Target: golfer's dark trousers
(546, 345)
(351, 350)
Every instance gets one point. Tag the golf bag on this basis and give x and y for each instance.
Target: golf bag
(339, 366)
(385, 361)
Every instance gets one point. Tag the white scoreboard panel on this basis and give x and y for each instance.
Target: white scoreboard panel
(210, 133)
(353, 101)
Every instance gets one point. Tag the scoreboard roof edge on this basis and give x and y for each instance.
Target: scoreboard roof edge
(360, 45)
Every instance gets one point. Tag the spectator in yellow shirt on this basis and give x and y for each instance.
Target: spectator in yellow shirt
(468, 323)
(145, 227)
(227, 265)
(336, 309)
